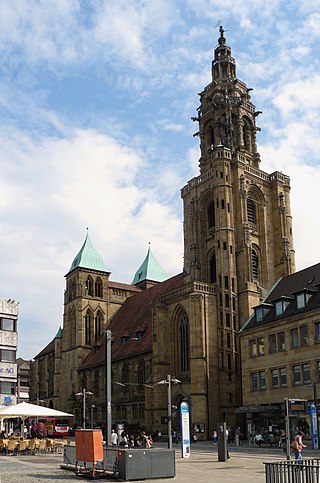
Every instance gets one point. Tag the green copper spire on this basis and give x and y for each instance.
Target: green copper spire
(88, 257)
(149, 270)
(59, 334)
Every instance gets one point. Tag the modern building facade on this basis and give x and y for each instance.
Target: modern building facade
(280, 351)
(237, 243)
(8, 350)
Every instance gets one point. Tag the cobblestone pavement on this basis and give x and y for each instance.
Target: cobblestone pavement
(245, 465)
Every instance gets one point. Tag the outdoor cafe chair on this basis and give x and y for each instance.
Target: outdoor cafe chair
(42, 446)
(50, 446)
(12, 447)
(23, 446)
(3, 445)
(33, 444)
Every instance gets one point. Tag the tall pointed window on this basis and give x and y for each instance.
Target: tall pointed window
(251, 211)
(96, 383)
(97, 326)
(124, 378)
(141, 375)
(255, 265)
(89, 286)
(88, 328)
(184, 342)
(211, 215)
(213, 269)
(98, 288)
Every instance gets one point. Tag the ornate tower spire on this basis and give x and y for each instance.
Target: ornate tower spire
(226, 115)
(223, 65)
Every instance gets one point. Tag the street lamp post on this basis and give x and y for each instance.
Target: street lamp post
(107, 369)
(168, 383)
(92, 408)
(84, 394)
(315, 400)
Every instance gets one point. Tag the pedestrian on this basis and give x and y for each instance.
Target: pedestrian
(144, 440)
(297, 446)
(258, 439)
(215, 436)
(227, 439)
(283, 441)
(114, 438)
(123, 440)
(238, 434)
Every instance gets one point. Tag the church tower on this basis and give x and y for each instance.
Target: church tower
(86, 312)
(237, 218)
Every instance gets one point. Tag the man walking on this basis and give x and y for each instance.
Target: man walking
(114, 438)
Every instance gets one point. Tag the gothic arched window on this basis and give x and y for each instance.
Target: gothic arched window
(255, 265)
(96, 383)
(212, 137)
(211, 215)
(213, 269)
(247, 134)
(141, 375)
(124, 378)
(88, 328)
(89, 286)
(184, 342)
(97, 326)
(251, 211)
(98, 288)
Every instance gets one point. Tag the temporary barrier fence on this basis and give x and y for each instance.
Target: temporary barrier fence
(294, 471)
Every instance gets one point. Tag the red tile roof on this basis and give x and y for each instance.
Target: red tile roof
(134, 314)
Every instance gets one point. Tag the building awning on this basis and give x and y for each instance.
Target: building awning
(257, 408)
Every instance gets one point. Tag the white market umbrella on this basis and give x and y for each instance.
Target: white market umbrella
(26, 410)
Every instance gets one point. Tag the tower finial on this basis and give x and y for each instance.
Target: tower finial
(221, 30)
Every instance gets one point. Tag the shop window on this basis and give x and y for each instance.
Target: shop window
(283, 376)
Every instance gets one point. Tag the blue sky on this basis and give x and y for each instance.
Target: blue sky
(95, 131)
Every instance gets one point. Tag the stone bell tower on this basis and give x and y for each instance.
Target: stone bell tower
(238, 226)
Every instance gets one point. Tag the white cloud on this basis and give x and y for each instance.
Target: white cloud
(54, 189)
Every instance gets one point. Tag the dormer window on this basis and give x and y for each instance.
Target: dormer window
(139, 334)
(302, 299)
(259, 314)
(281, 306)
(124, 339)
